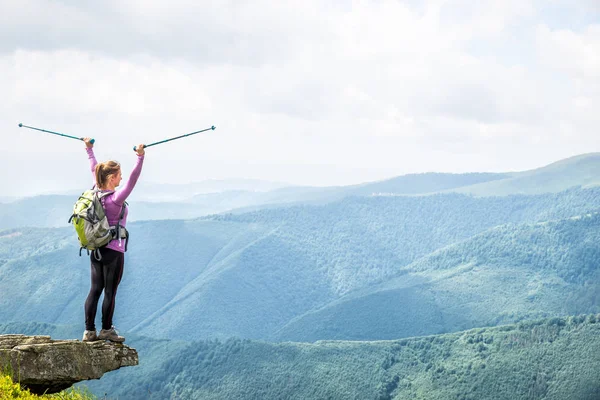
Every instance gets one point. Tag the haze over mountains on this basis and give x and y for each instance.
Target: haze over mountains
(172, 201)
(410, 256)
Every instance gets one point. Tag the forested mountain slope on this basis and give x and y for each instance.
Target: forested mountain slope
(551, 359)
(547, 359)
(249, 275)
(505, 274)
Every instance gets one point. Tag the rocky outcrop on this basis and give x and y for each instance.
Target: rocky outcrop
(44, 365)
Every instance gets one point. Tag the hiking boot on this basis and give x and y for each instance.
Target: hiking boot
(89, 336)
(111, 334)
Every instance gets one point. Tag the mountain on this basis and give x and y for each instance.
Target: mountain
(169, 192)
(171, 201)
(149, 201)
(550, 359)
(412, 184)
(174, 192)
(505, 274)
(555, 358)
(426, 183)
(54, 211)
(250, 275)
(48, 282)
(313, 255)
(579, 171)
(377, 263)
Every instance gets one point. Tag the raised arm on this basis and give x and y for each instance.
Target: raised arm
(121, 195)
(90, 151)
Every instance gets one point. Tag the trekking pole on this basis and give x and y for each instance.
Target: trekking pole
(212, 128)
(54, 133)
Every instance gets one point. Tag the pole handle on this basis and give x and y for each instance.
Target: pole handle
(135, 147)
(92, 141)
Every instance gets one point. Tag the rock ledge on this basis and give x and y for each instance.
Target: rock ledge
(44, 365)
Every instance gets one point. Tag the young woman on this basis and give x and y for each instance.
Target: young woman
(107, 272)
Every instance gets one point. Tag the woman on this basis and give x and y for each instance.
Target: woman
(107, 272)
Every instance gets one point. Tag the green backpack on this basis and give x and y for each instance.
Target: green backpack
(91, 224)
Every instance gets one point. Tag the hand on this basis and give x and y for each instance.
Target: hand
(87, 142)
(139, 149)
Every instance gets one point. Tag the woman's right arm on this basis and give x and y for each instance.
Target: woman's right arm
(90, 151)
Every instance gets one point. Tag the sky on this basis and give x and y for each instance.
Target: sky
(302, 92)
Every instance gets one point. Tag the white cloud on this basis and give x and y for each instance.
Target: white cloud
(67, 81)
(577, 54)
(318, 93)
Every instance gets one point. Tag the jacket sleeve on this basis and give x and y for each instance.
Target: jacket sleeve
(121, 195)
(93, 163)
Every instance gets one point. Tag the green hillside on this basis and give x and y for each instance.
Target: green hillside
(250, 275)
(548, 359)
(557, 358)
(42, 278)
(315, 255)
(374, 236)
(503, 275)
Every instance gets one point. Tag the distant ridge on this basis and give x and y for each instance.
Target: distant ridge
(578, 171)
(431, 182)
(184, 201)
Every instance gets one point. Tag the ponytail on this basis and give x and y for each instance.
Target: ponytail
(104, 170)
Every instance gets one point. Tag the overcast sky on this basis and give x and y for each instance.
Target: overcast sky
(300, 91)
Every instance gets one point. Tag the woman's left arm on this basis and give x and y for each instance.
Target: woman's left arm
(121, 195)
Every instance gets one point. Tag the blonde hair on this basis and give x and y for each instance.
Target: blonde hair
(104, 171)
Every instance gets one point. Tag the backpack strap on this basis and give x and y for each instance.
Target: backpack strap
(126, 239)
(102, 194)
(119, 226)
(125, 204)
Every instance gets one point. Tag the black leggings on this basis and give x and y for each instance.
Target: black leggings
(106, 275)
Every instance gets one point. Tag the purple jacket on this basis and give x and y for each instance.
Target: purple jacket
(113, 202)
